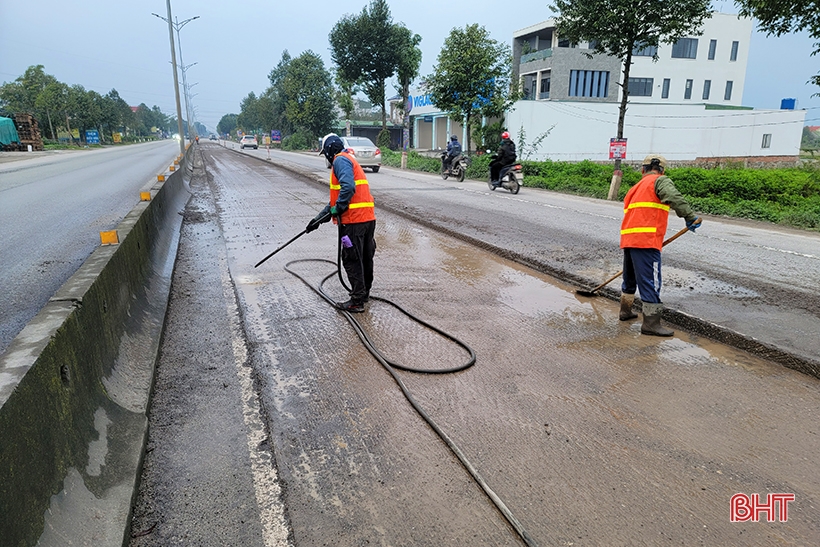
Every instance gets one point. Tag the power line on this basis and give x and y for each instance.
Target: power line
(698, 128)
(739, 114)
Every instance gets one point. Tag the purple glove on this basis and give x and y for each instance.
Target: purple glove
(346, 243)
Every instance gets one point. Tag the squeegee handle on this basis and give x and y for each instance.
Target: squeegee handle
(294, 238)
(617, 275)
(676, 236)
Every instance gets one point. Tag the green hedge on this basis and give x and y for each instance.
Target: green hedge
(479, 168)
(789, 196)
(585, 178)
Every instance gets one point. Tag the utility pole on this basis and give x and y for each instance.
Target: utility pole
(170, 22)
(178, 26)
(187, 92)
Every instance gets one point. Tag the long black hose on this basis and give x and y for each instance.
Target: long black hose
(391, 367)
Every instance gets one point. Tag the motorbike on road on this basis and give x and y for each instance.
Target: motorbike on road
(457, 169)
(508, 178)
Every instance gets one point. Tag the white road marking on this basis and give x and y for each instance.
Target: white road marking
(265, 478)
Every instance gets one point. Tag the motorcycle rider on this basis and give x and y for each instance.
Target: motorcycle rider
(504, 157)
(453, 151)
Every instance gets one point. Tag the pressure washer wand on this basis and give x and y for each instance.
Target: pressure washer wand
(297, 236)
(325, 218)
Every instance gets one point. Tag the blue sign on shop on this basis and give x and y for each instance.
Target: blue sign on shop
(428, 118)
(422, 100)
(92, 137)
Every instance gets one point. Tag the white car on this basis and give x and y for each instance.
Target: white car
(365, 152)
(249, 141)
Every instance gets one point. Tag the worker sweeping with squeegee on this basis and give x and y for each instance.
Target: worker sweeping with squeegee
(352, 206)
(646, 213)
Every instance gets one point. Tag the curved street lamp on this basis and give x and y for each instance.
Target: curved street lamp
(178, 26)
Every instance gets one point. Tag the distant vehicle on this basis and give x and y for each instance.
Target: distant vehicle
(212, 137)
(365, 152)
(249, 141)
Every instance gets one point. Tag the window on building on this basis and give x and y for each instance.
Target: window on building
(767, 141)
(733, 55)
(685, 48)
(665, 88)
(687, 92)
(727, 95)
(712, 49)
(648, 51)
(564, 43)
(545, 88)
(588, 83)
(529, 83)
(707, 88)
(640, 87)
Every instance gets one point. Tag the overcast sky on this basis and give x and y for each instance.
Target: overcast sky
(105, 44)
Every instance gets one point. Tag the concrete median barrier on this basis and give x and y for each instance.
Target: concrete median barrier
(75, 385)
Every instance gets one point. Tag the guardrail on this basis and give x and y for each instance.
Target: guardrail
(76, 382)
(536, 56)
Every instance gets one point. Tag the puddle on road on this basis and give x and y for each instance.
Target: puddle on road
(678, 283)
(558, 379)
(584, 323)
(587, 322)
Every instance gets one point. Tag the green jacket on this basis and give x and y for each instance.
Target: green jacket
(668, 194)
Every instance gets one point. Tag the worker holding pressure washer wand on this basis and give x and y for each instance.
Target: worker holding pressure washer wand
(351, 207)
(646, 214)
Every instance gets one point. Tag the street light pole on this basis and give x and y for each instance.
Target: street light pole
(171, 27)
(178, 26)
(191, 107)
(176, 82)
(187, 95)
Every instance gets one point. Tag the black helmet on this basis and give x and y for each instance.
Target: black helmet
(453, 138)
(331, 145)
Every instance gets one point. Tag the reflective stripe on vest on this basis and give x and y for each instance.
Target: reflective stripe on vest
(645, 217)
(361, 207)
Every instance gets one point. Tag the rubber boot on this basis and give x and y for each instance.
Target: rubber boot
(626, 307)
(652, 321)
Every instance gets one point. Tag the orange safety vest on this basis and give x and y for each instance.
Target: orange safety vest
(645, 217)
(361, 207)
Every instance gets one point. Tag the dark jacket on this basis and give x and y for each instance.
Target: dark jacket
(506, 152)
(453, 148)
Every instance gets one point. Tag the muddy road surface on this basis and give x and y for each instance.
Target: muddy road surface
(751, 284)
(273, 425)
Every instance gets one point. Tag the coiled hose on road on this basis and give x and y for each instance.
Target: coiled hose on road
(392, 366)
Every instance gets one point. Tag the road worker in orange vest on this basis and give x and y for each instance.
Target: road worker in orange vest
(351, 206)
(646, 213)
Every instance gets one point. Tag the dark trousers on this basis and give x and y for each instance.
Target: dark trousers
(358, 259)
(642, 271)
(495, 169)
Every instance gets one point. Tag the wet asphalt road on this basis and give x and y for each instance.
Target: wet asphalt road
(53, 207)
(748, 277)
(589, 432)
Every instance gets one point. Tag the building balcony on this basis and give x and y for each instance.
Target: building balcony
(536, 56)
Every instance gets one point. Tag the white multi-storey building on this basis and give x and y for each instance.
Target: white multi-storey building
(710, 67)
(686, 104)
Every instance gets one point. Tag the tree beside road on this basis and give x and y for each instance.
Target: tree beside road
(620, 29)
(472, 77)
(58, 106)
